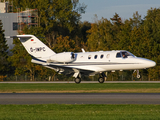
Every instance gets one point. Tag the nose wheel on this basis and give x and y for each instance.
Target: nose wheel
(138, 76)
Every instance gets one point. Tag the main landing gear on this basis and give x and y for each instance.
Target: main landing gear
(77, 80)
(77, 77)
(101, 77)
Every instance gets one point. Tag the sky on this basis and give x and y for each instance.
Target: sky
(124, 8)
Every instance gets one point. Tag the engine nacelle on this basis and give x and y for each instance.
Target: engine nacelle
(65, 57)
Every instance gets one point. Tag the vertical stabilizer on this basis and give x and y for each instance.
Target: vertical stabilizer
(35, 47)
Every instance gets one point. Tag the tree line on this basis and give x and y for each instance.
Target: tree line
(61, 29)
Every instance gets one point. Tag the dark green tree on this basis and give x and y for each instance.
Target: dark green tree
(151, 32)
(103, 34)
(57, 19)
(3, 52)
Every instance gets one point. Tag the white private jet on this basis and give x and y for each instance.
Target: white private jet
(83, 63)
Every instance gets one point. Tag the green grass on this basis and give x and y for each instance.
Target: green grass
(80, 88)
(79, 112)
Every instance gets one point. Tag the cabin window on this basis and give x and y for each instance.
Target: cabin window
(108, 55)
(118, 55)
(95, 57)
(101, 56)
(89, 57)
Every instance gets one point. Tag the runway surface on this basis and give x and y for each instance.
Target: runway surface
(25, 82)
(79, 98)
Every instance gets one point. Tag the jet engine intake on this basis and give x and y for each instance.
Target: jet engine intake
(65, 57)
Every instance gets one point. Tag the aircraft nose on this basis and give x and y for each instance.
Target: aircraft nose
(152, 63)
(149, 63)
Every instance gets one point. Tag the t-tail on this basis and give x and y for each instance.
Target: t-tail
(35, 47)
(39, 51)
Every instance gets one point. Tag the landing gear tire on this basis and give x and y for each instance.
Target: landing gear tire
(138, 76)
(77, 80)
(101, 80)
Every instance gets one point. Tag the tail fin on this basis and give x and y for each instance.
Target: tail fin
(35, 47)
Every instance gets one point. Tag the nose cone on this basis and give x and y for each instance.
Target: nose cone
(151, 63)
(147, 63)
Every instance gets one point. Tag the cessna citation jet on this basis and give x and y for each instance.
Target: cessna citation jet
(82, 63)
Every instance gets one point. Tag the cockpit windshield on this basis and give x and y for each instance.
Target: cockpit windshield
(124, 54)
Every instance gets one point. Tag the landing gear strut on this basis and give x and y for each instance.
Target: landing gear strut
(77, 77)
(101, 77)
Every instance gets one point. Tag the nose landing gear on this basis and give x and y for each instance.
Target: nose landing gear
(138, 75)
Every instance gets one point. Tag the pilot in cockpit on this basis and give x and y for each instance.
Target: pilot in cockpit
(123, 55)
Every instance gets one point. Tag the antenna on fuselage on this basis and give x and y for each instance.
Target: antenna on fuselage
(83, 50)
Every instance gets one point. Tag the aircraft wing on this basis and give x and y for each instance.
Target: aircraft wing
(69, 70)
(64, 68)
